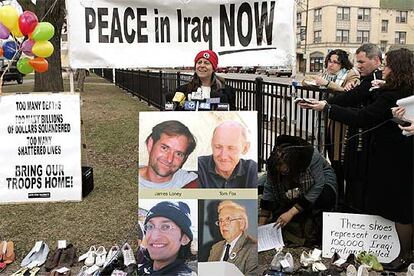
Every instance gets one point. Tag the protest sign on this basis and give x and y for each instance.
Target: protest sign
(157, 33)
(352, 233)
(40, 140)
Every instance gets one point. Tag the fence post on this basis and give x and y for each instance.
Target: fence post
(147, 91)
(259, 109)
(160, 101)
(178, 79)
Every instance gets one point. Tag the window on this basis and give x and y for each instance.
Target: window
(362, 36)
(342, 13)
(317, 37)
(384, 26)
(317, 15)
(302, 33)
(342, 35)
(364, 14)
(400, 37)
(383, 45)
(298, 19)
(401, 17)
(316, 64)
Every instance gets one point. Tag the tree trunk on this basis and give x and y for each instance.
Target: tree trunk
(51, 80)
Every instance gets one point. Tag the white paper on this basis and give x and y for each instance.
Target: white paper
(62, 269)
(62, 244)
(269, 237)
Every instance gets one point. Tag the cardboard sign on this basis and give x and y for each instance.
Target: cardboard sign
(159, 33)
(40, 148)
(352, 233)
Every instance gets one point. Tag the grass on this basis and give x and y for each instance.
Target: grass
(109, 214)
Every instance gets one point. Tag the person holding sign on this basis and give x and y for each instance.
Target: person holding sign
(390, 174)
(300, 185)
(169, 145)
(225, 168)
(237, 247)
(168, 236)
(206, 80)
(399, 113)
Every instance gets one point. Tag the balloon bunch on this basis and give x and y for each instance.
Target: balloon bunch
(34, 35)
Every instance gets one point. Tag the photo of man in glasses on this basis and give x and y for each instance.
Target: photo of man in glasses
(168, 237)
(237, 246)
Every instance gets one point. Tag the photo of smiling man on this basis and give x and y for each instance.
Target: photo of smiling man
(168, 235)
(168, 146)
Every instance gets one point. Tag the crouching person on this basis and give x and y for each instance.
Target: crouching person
(300, 185)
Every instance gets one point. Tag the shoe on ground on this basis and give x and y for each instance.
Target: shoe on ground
(351, 270)
(10, 255)
(82, 271)
(53, 260)
(37, 256)
(112, 253)
(289, 265)
(100, 256)
(128, 254)
(305, 259)
(318, 266)
(90, 260)
(275, 264)
(68, 256)
(410, 270)
(3, 248)
(363, 270)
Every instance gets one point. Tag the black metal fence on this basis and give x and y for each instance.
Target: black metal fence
(277, 112)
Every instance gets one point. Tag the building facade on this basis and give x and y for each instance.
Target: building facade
(324, 25)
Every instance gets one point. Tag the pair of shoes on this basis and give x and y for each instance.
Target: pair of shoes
(96, 256)
(112, 254)
(282, 262)
(340, 263)
(307, 259)
(37, 256)
(116, 262)
(7, 255)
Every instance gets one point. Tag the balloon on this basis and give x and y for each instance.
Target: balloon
(27, 22)
(43, 31)
(4, 32)
(16, 31)
(42, 49)
(9, 16)
(27, 47)
(9, 49)
(39, 64)
(23, 66)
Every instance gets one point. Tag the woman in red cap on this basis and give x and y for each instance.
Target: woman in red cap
(204, 78)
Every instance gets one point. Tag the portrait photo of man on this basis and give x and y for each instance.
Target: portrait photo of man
(168, 147)
(225, 167)
(235, 245)
(168, 233)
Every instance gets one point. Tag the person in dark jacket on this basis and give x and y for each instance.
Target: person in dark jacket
(300, 184)
(168, 236)
(390, 174)
(205, 78)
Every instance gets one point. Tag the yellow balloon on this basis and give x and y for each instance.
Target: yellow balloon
(16, 31)
(9, 16)
(43, 49)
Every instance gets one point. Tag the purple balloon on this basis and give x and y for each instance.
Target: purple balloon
(27, 47)
(4, 32)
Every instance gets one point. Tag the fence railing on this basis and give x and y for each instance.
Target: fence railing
(277, 112)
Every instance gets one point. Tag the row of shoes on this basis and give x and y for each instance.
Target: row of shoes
(100, 262)
(7, 255)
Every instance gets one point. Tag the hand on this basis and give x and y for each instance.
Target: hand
(409, 129)
(398, 112)
(315, 105)
(284, 219)
(377, 83)
(320, 81)
(350, 85)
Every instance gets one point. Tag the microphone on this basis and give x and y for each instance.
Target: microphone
(178, 99)
(189, 106)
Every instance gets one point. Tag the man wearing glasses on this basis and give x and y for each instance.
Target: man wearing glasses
(237, 247)
(168, 235)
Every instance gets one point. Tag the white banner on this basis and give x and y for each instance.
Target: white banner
(40, 148)
(352, 233)
(159, 33)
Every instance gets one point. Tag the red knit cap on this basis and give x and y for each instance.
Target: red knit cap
(208, 54)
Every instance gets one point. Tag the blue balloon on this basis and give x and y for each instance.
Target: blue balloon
(9, 49)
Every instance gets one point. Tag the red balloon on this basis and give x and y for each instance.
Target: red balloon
(27, 22)
(39, 64)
